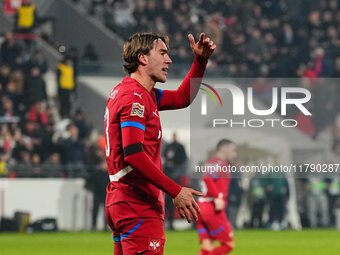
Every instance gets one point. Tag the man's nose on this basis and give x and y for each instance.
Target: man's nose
(168, 60)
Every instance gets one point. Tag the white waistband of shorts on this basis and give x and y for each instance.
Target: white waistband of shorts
(122, 172)
(205, 199)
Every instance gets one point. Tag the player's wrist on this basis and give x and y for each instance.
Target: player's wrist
(201, 59)
(174, 190)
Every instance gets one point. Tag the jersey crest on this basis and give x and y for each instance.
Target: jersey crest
(155, 245)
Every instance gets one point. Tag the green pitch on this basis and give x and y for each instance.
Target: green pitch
(250, 242)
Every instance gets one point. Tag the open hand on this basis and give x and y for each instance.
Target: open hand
(185, 203)
(204, 47)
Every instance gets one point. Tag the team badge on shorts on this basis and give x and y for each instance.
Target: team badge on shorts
(155, 245)
(137, 110)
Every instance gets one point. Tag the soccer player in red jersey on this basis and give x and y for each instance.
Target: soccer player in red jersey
(135, 194)
(212, 223)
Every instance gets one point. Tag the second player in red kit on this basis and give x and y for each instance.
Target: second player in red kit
(213, 224)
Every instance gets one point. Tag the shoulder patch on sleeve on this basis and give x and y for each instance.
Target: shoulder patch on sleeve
(137, 110)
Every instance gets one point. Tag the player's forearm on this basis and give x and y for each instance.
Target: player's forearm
(150, 171)
(187, 91)
(189, 88)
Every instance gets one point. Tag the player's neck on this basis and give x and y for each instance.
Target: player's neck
(144, 80)
(220, 156)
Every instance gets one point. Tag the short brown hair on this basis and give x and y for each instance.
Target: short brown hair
(222, 143)
(139, 43)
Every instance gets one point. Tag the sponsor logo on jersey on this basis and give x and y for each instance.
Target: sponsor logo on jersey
(155, 245)
(137, 110)
(156, 113)
(139, 95)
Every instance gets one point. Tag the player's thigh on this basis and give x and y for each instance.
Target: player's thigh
(115, 233)
(144, 236)
(202, 230)
(219, 228)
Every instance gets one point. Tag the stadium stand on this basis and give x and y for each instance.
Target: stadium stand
(289, 39)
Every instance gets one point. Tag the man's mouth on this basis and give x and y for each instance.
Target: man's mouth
(165, 70)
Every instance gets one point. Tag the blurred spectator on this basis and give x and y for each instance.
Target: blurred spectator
(317, 203)
(66, 86)
(322, 63)
(80, 121)
(94, 4)
(4, 76)
(334, 199)
(175, 157)
(262, 90)
(305, 124)
(22, 143)
(47, 147)
(37, 60)
(234, 200)
(72, 150)
(36, 166)
(7, 108)
(24, 166)
(53, 167)
(14, 95)
(26, 20)
(10, 51)
(38, 114)
(35, 87)
(174, 167)
(288, 35)
(278, 195)
(7, 142)
(90, 53)
(3, 164)
(72, 54)
(258, 199)
(123, 17)
(97, 183)
(94, 154)
(17, 77)
(26, 17)
(101, 142)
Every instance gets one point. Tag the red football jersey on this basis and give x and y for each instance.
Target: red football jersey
(131, 121)
(215, 184)
(130, 103)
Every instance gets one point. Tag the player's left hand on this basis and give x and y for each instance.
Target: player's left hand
(204, 47)
(219, 204)
(186, 204)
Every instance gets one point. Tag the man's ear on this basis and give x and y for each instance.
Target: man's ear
(142, 58)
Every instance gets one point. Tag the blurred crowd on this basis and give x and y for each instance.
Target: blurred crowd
(255, 38)
(41, 136)
(267, 38)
